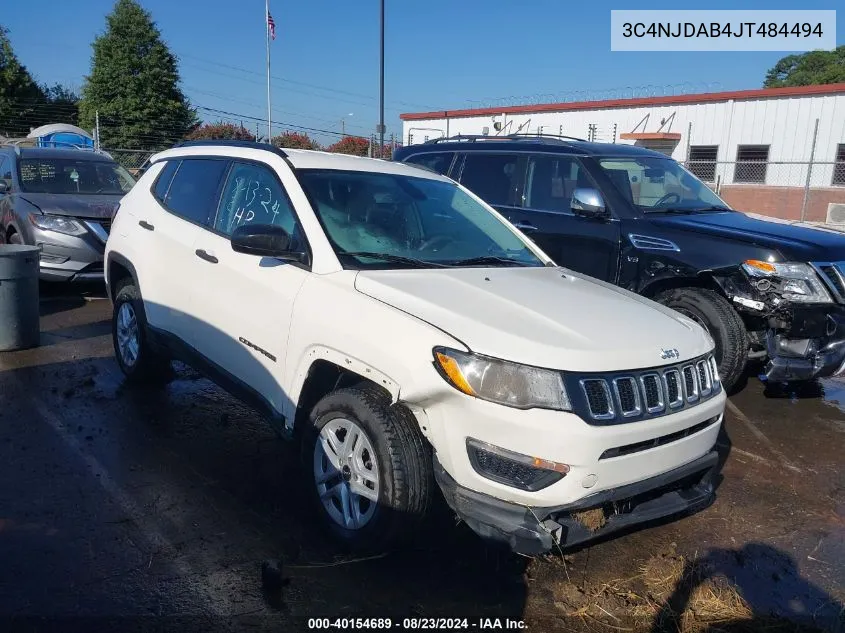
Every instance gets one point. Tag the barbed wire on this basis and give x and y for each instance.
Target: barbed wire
(602, 94)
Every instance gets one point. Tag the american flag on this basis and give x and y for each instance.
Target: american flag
(271, 25)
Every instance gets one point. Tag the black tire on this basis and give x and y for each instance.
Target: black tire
(150, 366)
(713, 311)
(404, 466)
(15, 238)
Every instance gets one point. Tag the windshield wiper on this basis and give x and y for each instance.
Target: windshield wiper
(397, 259)
(686, 210)
(487, 259)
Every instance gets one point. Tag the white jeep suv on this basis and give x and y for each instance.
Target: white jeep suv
(407, 334)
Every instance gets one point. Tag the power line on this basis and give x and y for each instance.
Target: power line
(254, 105)
(278, 123)
(303, 83)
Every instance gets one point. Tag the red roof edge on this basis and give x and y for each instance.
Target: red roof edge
(707, 97)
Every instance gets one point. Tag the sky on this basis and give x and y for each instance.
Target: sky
(439, 54)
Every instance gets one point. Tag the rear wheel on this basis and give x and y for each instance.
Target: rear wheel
(138, 361)
(713, 312)
(371, 472)
(15, 238)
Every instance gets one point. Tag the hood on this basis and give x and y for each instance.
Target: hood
(794, 241)
(548, 317)
(94, 206)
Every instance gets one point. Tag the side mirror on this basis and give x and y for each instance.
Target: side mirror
(265, 240)
(589, 203)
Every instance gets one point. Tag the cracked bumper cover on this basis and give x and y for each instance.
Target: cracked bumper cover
(534, 531)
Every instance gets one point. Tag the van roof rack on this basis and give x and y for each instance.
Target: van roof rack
(471, 138)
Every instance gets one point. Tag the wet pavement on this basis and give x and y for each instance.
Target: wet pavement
(145, 505)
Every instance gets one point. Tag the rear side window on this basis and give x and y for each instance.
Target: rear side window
(439, 161)
(163, 181)
(492, 177)
(193, 192)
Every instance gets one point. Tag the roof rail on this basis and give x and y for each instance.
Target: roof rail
(233, 143)
(559, 136)
(505, 137)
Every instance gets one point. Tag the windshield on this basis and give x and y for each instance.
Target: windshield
(660, 185)
(73, 176)
(378, 220)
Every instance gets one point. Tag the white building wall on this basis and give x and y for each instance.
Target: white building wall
(783, 123)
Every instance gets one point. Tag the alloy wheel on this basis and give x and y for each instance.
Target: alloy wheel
(128, 335)
(346, 473)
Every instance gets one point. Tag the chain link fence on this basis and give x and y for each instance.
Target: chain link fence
(793, 190)
(134, 160)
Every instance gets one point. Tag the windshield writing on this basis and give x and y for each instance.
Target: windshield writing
(69, 176)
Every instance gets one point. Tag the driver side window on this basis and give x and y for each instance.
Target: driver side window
(253, 195)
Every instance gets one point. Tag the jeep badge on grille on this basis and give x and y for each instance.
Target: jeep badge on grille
(666, 354)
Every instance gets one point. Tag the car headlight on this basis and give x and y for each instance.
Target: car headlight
(58, 223)
(798, 282)
(502, 382)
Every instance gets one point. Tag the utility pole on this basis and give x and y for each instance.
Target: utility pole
(380, 129)
(267, 27)
(97, 130)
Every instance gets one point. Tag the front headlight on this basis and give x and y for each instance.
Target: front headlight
(502, 382)
(798, 282)
(58, 223)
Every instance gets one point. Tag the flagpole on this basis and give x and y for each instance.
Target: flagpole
(267, 28)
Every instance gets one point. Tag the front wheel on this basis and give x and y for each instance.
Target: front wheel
(371, 472)
(713, 312)
(138, 361)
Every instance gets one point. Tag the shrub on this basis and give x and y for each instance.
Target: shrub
(220, 130)
(295, 140)
(354, 145)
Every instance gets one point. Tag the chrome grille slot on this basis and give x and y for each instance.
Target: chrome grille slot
(598, 398)
(705, 384)
(674, 394)
(714, 373)
(628, 396)
(690, 383)
(652, 393)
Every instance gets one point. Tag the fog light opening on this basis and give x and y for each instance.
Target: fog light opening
(513, 469)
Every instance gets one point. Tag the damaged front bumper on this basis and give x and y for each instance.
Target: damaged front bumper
(801, 340)
(808, 343)
(534, 531)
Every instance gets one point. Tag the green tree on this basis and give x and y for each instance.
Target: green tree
(62, 104)
(220, 130)
(807, 69)
(21, 98)
(134, 84)
(295, 140)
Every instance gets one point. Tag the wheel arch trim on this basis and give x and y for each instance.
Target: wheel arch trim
(343, 361)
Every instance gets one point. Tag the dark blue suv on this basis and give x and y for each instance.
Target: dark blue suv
(638, 219)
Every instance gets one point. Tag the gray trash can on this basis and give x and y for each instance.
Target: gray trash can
(20, 325)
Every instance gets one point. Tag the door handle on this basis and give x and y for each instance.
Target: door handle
(209, 257)
(146, 225)
(525, 226)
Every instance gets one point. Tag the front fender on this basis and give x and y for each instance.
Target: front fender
(334, 322)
